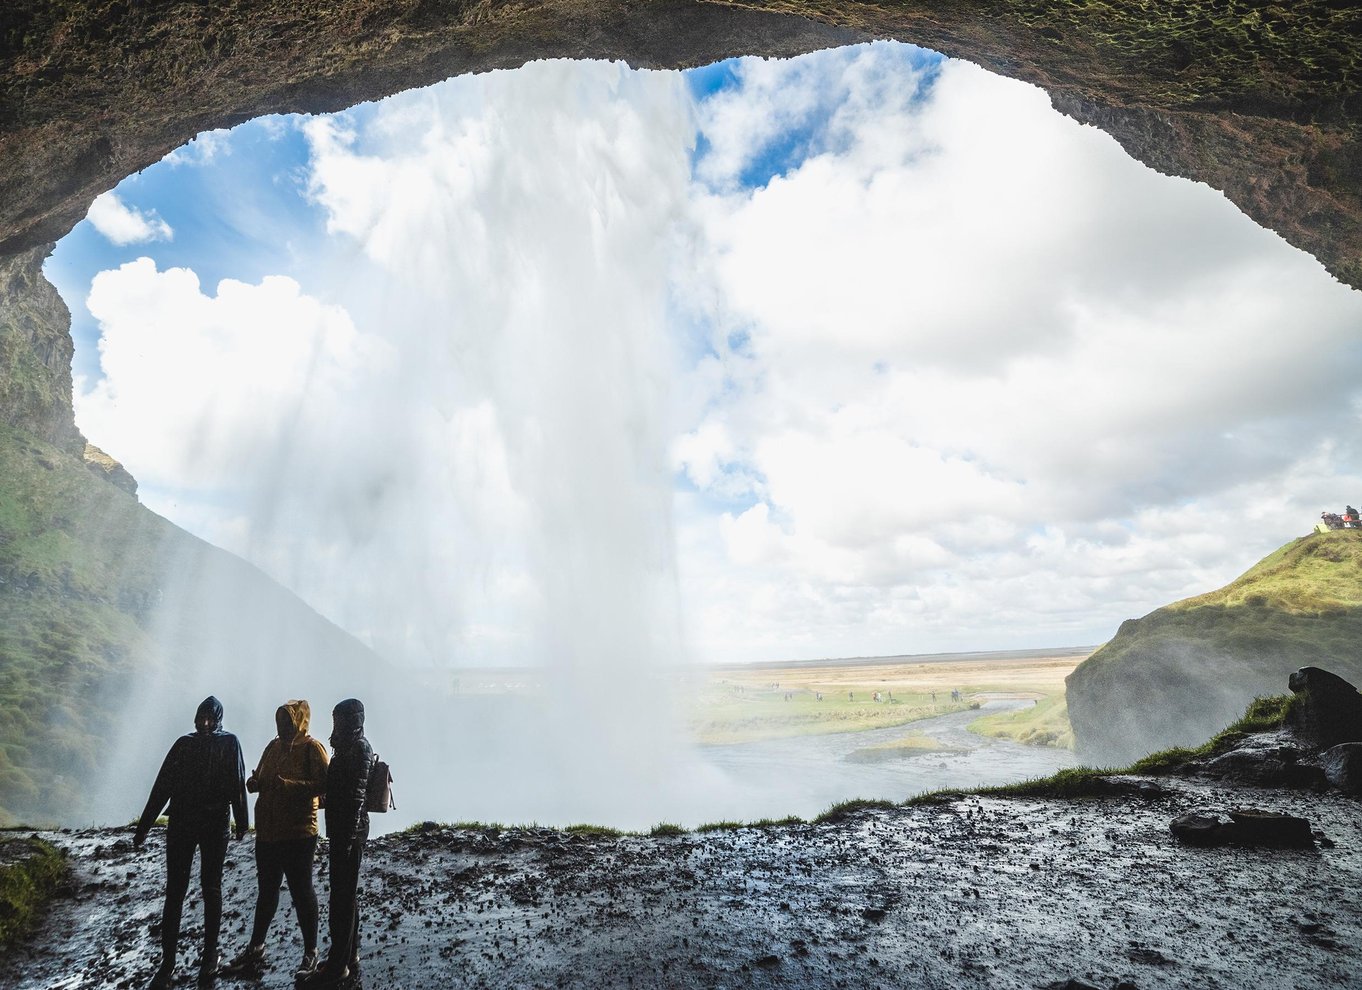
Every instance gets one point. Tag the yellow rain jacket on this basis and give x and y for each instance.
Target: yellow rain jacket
(291, 774)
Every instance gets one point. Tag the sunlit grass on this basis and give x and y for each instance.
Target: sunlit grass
(1046, 723)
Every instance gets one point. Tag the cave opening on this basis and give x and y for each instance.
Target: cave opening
(867, 352)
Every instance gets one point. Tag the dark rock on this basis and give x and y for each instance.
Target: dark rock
(1199, 830)
(1246, 827)
(1342, 767)
(1265, 766)
(1268, 828)
(1328, 710)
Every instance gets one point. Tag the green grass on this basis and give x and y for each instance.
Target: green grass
(666, 829)
(1263, 715)
(594, 831)
(1045, 723)
(913, 744)
(720, 826)
(736, 714)
(845, 809)
(78, 559)
(30, 871)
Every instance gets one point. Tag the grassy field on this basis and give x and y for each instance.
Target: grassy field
(745, 704)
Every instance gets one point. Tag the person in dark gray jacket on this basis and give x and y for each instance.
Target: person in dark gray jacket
(347, 828)
(203, 778)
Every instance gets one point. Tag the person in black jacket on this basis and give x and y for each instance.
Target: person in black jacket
(203, 778)
(347, 827)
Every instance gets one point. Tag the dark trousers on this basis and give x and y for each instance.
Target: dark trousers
(274, 861)
(343, 925)
(211, 843)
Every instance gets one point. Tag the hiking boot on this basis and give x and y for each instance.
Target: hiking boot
(165, 976)
(209, 966)
(325, 975)
(308, 966)
(251, 961)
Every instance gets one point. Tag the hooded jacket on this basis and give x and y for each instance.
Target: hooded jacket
(203, 778)
(290, 777)
(347, 776)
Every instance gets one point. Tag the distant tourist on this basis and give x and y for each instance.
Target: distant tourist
(203, 779)
(347, 828)
(290, 777)
(850, 696)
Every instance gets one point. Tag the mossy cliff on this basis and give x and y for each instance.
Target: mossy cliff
(1181, 673)
(100, 598)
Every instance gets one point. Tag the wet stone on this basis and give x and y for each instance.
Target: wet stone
(1268, 828)
(1343, 767)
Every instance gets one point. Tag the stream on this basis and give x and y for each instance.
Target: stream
(804, 775)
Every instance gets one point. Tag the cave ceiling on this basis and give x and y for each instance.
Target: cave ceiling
(1258, 100)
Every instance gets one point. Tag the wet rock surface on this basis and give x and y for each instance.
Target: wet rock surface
(1342, 767)
(964, 892)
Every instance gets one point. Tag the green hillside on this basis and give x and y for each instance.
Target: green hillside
(112, 621)
(77, 576)
(1181, 673)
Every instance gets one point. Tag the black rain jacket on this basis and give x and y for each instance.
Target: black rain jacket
(347, 776)
(203, 778)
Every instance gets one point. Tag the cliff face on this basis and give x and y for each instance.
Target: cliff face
(108, 613)
(35, 354)
(1185, 671)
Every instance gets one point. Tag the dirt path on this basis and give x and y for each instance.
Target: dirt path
(975, 892)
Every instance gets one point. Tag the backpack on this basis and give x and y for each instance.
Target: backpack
(378, 797)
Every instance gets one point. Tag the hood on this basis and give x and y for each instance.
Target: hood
(347, 721)
(293, 717)
(209, 716)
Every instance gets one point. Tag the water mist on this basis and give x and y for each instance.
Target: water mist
(463, 457)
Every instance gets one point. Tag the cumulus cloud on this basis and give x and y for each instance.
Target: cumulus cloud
(123, 224)
(993, 382)
(872, 352)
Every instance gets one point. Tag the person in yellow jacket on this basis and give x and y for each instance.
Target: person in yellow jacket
(289, 778)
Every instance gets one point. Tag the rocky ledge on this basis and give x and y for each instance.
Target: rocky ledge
(1093, 889)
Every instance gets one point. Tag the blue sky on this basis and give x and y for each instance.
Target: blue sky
(864, 352)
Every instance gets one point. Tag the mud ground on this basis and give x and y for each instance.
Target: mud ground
(969, 892)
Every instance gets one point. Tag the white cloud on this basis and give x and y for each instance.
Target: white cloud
(998, 384)
(123, 224)
(959, 375)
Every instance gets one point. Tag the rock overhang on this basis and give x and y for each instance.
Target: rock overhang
(1254, 99)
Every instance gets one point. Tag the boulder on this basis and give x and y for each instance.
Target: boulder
(1328, 710)
(1199, 830)
(1246, 827)
(1262, 761)
(1269, 828)
(1343, 767)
